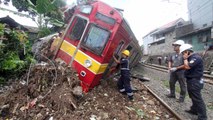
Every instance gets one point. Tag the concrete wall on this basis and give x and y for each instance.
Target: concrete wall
(164, 48)
(183, 30)
(146, 41)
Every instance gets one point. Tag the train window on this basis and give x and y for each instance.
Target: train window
(129, 48)
(105, 18)
(96, 39)
(118, 49)
(78, 28)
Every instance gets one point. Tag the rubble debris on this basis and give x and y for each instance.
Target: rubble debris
(54, 92)
(44, 91)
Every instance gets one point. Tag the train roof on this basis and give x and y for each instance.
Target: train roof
(124, 21)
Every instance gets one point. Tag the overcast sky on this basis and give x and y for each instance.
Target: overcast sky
(142, 15)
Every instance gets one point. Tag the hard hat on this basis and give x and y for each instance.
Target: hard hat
(178, 42)
(185, 47)
(126, 52)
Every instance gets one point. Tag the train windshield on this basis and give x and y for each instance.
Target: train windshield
(96, 39)
(78, 28)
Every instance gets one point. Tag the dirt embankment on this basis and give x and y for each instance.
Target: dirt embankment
(44, 91)
(53, 92)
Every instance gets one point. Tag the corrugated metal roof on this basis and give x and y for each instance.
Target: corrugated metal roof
(12, 23)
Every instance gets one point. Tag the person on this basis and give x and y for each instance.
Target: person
(159, 60)
(151, 60)
(207, 48)
(56, 41)
(166, 60)
(124, 81)
(54, 44)
(193, 64)
(176, 70)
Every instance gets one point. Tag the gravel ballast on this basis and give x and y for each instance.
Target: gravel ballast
(159, 84)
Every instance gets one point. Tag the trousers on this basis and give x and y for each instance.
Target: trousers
(194, 88)
(174, 77)
(124, 84)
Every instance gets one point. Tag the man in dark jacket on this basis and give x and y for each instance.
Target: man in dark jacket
(193, 64)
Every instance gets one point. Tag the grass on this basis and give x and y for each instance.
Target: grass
(177, 86)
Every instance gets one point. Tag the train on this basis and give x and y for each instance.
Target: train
(95, 32)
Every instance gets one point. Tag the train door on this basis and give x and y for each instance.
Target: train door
(132, 58)
(111, 66)
(132, 54)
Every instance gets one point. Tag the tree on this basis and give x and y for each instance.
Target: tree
(46, 12)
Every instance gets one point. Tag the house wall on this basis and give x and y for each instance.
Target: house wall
(199, 40)
(164, 48)
(146, 41)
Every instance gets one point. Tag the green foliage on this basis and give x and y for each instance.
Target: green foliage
(15, 54)
(44, 6)
(2, 80)
(21, 5)
(2, 29)
(47, 12)
(44, 31)
(12, 62)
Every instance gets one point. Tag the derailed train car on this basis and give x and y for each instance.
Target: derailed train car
(94, 33)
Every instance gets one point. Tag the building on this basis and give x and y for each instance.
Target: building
(159, 41)
(201, 17)
(201, 34)
(198, 31)
(147, 40)
(200, 13)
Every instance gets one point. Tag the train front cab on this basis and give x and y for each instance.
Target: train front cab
(87, 41)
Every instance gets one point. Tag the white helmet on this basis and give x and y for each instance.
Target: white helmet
(185, 47)
(178, 42)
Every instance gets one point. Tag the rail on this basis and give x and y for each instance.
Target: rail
(207, 78)
(164, 104)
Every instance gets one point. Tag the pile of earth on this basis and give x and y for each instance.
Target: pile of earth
(52, 91)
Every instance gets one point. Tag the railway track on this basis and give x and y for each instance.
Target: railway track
(152, 93)
(175, 114)
(207, 78)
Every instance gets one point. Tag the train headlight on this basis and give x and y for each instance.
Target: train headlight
(88, 63)
(86, 9)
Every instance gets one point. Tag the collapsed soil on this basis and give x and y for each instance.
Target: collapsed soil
(53, 92)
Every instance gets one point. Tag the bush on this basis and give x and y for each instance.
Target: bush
(15, 53)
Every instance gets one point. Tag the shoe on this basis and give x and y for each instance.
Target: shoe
(191, 112)
(180, 100)
(123, 93)
(131, 98)
(170, 96)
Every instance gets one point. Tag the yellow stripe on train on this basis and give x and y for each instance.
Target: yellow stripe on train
(80, 57)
